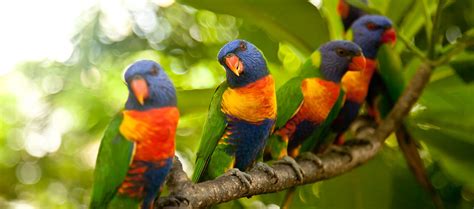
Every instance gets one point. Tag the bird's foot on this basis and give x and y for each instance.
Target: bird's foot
(267, 169)
(245, 178)
(343, 150)
(176, 201)
(311, 157)
(287, 160)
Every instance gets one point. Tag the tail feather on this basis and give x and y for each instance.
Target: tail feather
(288, 198)
(409, 149)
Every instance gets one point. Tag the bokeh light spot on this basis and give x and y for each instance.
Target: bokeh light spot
(453, 33)
(317, 3)
(163, 3)
(28, 173)
(52, 84)
(58, 192)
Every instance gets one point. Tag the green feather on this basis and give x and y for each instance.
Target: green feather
(289, 96)
(289, 99)
(112, 164)
(390, 69)
(213, 129)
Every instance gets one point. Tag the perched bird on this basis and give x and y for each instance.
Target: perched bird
(349, 13)
(307, 104)
(241, 115)
(386, 86)
(369, 32)
(137, 150)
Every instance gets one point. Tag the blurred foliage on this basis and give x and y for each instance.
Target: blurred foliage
(53, 114)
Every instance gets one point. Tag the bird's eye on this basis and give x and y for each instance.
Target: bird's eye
(371, 26)
(243, 46)
(154, 70)
(341, 52)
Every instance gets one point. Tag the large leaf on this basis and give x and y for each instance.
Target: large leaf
(297, 22)
(335, 26)
(444, 120)
(463, 65)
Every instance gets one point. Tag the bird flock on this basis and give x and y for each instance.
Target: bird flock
(249, 121)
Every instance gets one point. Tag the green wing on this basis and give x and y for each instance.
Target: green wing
(390, 70)
(289, 99)
(319, 139)
(289, 96)
(112, 164)
(213, 129)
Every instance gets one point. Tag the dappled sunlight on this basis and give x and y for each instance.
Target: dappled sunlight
(61, 82)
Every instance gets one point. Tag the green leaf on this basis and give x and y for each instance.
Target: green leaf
(463, 65)
(411, 23)
(297, 22)
(397, 9)
(444, 120)
(329, 11)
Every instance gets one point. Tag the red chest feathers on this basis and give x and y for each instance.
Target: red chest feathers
(153, 132)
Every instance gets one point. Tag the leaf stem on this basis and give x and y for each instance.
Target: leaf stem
(435, 34)
(412, 47)
(429, 23)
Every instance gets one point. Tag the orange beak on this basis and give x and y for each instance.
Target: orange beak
(343, 9)
(140, 89)
(234, 64)
(357, 63)
(389, 36)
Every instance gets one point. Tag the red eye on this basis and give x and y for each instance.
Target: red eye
(371, 26)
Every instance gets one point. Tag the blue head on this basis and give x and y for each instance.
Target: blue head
(337, 57)
(148, 86)
(371, 31)
(243, 63)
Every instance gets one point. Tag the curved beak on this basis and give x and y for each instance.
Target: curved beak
(234, 64)
(358, 63)
(139, 88)
(389, 36)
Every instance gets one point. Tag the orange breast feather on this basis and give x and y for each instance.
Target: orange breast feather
(153, 132)
(253, 103)
(319, 98)
(356, 84)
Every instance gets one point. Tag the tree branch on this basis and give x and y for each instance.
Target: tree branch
(227, 188)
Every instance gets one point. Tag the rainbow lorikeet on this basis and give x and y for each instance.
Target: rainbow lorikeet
(386, 86)
(241, 115)
(307, 104)
(349, 13)
(137, 150)
(369, 32)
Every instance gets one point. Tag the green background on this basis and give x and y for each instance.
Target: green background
(54, 114)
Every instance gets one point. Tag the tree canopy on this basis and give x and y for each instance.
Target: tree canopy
(53, 114)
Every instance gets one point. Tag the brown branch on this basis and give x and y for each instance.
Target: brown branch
(228, 188)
